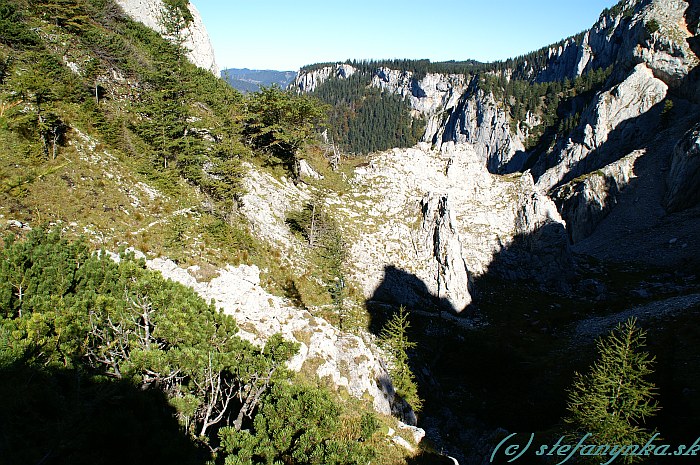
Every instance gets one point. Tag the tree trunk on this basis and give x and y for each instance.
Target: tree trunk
(312, 230)
(249, 404)
(44, 139)
(165, 155)
(20, 295)
(54, 145)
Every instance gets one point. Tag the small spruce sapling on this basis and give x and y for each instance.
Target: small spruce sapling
(395, 340)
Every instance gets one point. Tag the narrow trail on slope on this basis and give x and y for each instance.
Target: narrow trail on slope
(165, 219)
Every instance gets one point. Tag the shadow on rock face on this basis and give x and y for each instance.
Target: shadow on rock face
(401, 288)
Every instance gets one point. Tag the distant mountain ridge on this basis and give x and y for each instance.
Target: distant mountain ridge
(251, 80)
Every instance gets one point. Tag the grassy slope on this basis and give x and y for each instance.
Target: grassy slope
(106, 180)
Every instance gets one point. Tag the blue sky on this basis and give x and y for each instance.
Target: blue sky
(285, 34)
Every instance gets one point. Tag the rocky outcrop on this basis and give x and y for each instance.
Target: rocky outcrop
(410, 227)
(625, 37)
(197, 42)
(430, 96)
(425, 223)
(539, 250)
(601, 132)
(308, 81)
(479, 121)
(683, 180)
(439, 232)
(649, 46)
(306, 171)
(347, 361)
(265, 205)
(586, 201)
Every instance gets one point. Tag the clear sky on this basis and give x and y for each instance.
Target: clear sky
(286, 34)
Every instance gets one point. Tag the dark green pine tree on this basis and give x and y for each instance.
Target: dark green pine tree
(615, 398)
(279, 123)
(68, 14)
(294, 425)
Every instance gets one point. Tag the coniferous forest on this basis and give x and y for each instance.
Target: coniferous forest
(364, 119)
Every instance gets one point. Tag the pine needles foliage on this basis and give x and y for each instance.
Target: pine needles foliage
(615, 398)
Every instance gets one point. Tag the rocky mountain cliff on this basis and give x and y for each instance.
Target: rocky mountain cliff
(197, 42)
(628, 132)
(457, 110)
(498, 230)
(654, 32)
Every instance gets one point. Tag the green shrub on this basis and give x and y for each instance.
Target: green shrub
(652, 26)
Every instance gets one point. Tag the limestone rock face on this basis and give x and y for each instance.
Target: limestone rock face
(201, 52)
(306, 171)
(478, 120)
(630, 99)
(266, 203)
(683, 180)
(348, 361)
(309, 81)
(430, 96)
(634, 96)
(539, 250)
(439, 233)
(425, 223)
(586, 202)
(624, 39)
